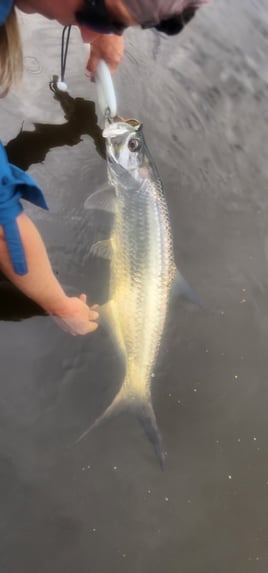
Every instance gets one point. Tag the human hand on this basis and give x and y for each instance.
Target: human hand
(78, 317)
(109, 48)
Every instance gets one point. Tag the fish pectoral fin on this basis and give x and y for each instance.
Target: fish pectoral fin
(183, 289)
(102, 200)
(102, 249)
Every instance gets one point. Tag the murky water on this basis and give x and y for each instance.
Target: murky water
(104, 504)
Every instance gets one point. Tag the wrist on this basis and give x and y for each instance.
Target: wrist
(59, 306)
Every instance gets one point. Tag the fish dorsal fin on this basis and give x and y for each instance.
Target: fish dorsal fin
(182, 288)
(102, 200)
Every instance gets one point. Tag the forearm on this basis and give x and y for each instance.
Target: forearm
(40, 283)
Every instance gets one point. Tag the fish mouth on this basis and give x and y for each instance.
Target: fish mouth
(119, 126)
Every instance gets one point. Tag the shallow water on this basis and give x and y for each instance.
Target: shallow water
(104, 504)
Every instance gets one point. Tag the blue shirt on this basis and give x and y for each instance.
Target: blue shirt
(5, 9)
(15, 185)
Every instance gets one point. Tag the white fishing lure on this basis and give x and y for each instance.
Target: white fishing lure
(105, 90)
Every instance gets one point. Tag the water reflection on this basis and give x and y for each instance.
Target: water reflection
(104, 502)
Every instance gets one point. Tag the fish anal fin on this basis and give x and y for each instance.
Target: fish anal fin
(107, 320)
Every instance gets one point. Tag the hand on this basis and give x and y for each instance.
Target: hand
(109, 48)
(79, 318)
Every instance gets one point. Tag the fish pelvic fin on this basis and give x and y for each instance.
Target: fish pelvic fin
(103, 249)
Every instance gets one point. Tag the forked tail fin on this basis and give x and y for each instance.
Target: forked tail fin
(115, 407)
(145, 414)
(143, 409)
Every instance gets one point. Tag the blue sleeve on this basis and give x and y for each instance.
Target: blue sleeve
(15, 185)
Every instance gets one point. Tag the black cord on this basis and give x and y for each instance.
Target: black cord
(64, 50)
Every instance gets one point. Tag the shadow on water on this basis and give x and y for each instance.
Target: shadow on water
(14, 305)
(30, 147)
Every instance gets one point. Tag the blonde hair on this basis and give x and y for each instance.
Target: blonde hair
(10, 53)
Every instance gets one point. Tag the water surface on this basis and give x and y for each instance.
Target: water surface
(104, 504)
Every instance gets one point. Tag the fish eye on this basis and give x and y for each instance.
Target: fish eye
(134, 144)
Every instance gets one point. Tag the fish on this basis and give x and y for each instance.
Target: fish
(143, 273)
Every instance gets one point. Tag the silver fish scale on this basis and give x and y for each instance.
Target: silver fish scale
(141, 273)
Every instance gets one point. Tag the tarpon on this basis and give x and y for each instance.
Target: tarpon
(142, 268)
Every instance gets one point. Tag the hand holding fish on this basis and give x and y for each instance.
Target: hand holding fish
(79, 317)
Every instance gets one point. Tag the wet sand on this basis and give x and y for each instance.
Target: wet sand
(104, 504)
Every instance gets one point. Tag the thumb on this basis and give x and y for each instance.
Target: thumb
(92, 63)
(83, 298)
